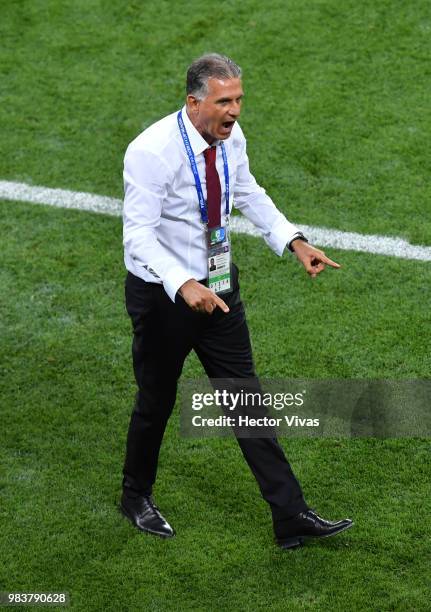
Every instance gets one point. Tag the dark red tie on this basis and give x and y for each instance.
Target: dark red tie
(213, 187)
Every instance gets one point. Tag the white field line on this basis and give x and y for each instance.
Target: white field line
(325, 237)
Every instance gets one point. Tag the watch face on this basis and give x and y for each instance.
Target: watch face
(297, 237)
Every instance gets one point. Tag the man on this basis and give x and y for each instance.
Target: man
(182, 176)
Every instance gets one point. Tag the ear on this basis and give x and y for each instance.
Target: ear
(192, 103)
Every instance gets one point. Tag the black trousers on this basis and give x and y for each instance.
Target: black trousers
(164, 333)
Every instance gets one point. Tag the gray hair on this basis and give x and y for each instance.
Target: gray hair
(211, 65)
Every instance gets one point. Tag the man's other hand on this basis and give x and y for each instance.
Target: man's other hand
(200, 298)
(313, 260)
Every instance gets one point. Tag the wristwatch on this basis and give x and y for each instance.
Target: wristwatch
(298, 236)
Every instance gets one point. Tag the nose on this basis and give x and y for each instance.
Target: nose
(235, 109)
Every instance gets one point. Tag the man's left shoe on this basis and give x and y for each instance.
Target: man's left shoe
(292, 532)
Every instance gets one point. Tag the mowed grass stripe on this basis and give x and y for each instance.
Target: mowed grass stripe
(322, 236)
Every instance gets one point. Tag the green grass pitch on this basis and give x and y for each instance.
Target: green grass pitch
(337, 118)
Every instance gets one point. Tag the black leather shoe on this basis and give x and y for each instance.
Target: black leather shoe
(145, 515)
(291, 533)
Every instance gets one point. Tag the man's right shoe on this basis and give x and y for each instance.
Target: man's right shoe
(144, 514)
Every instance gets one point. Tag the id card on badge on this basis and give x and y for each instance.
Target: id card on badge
(219, 259)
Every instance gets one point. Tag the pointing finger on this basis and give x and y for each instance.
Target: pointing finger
(222, 305)
(328, 261)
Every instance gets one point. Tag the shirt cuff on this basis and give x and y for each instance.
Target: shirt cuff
(173, 280)
(282, 233)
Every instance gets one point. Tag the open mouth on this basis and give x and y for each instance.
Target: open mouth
(228, 124)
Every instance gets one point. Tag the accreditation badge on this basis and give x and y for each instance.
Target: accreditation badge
(219, 259)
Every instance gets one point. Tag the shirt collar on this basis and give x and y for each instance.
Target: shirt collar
(198, 143)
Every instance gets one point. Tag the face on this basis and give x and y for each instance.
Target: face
(215, 115)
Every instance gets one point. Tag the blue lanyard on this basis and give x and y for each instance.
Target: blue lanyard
(191, 156)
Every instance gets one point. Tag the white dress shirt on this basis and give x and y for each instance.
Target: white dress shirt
(164, 238)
